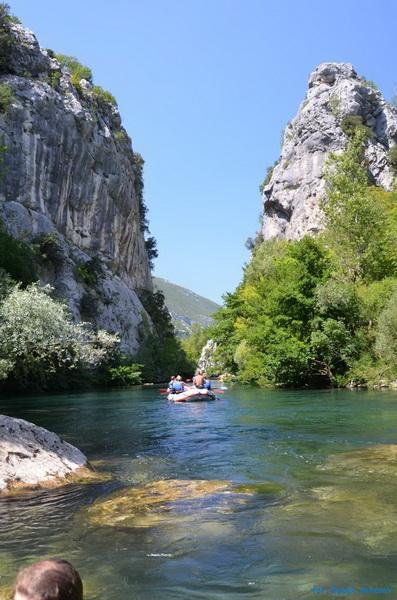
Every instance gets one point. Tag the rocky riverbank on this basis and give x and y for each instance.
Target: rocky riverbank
(32, 457)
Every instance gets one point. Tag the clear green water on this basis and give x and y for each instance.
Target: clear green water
(333, 525)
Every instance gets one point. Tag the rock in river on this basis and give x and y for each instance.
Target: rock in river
(31, 456)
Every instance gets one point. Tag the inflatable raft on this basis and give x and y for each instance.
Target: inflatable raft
(192, 395)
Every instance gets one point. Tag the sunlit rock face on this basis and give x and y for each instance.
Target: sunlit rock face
(69, 170)
(292, 198)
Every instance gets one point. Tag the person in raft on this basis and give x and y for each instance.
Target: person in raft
(207, 382)
(199, 380)
(178, 385)
(171, 383)
(51, 579)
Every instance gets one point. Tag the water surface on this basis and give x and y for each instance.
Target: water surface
(308, 513)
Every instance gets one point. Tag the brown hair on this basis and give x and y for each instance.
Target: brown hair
(51, 579)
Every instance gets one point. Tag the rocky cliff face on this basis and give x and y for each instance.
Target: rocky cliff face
(70, 183)
(292, 197)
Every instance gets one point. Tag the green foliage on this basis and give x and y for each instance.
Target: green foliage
(322, 310)
(392, 156)
(356, 223)
(6, 97)
(125, 375)
(54, 79)
(14, 20)
(50, 248)
(17, 258)
(103, 95)
(77, 70)
(151, 249)
(351, 124)
(151, 244)
(139, 185)
(335, 104)
(41, 345)
(160, 353)
(193, 344)
(89, 272)
(386, 336)
(369, 83)
(121, 135)
(7, 40)
(269, 173)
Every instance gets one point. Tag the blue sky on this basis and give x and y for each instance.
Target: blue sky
(205, 88)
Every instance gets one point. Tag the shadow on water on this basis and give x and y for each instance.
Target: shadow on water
(296, 489)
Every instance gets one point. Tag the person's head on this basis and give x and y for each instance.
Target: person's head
(51, 579)
(172, 377)
(179, 378)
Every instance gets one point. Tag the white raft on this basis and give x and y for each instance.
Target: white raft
(192, 395)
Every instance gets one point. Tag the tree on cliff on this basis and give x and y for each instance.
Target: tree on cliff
(356, 226)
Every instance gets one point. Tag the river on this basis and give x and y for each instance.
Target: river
(295, 498)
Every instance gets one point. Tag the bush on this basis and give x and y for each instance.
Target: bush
(38, 337)
(6, 97)
(17, 258)
(386, 338)
(13, 19)
(269, 173)
(7, 40)
(103, 95)
(392, 155)
(89, 272)
(121, 135)
(77, 70)
(369, 83)
(151, 249)
(351, 123)
(50, 248)
(125, 375)
(54, 79)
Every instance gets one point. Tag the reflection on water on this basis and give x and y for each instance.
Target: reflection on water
(259, 495)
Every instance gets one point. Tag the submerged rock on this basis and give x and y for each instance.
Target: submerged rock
(150, 504)
(365, 463)
(353, 507)
(31, 456)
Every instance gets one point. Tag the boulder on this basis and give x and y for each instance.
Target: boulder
(31, 456)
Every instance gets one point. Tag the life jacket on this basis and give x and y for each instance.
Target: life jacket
(177, 387)
(198, 381)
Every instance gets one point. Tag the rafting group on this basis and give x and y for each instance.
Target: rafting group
(179, 391)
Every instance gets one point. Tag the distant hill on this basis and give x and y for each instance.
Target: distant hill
(185, 306)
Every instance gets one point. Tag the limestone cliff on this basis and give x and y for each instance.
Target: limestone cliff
(69, 182)
(292, 197)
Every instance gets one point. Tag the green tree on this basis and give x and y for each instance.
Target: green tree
(356, 223)
(41, 345)
(194, 344)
